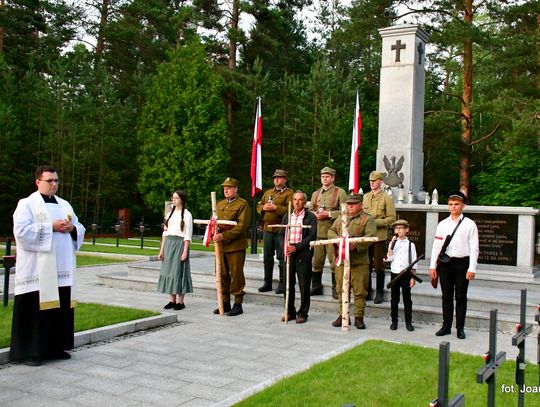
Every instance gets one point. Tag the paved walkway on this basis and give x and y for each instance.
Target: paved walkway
(204, 360)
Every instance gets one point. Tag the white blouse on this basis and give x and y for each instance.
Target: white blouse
(174, 225)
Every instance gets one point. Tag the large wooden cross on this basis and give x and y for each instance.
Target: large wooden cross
(212, 230)
(286, 241)
(343, 255)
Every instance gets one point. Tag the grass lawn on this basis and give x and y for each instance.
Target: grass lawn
(94, 260)
(136, 242)
(379, 373)
(88, 247)
(87, 316)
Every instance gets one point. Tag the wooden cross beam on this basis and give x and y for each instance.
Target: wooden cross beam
(286, 241)
(442, 390)
(486, 374)
(522, 330)
(213, 223)
(344, 242)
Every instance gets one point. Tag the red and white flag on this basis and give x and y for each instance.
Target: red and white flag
(210, 232)
(355, 148)
(256, 153)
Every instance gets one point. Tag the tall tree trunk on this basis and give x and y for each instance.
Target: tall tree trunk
(2, 6)
(233, 45)
(100, 45)
(467, 98)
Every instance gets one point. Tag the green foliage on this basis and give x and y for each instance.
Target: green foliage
(182, 131)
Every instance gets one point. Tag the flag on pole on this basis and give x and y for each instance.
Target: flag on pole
(210, 232)
(355, 148)
(256, 159)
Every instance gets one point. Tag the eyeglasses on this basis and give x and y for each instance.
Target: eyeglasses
(51, 181)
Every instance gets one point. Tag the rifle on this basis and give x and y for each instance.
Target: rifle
(403, 273)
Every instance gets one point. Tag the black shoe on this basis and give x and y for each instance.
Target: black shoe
(236, 310)
(443, 331)
(359, 323)
(170, 305)
(393, 326)
(226, 308)
(178, 307)
(409, 326)
(460, 333)
(289, 318)
(264, 288)
(33, 362)
(318, 290)
(379, 298)
(369, 297)
(280, 289)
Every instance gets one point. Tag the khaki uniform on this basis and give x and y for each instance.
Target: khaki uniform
(360, 225)
(233, 247)
(281, 199)
(327, 200)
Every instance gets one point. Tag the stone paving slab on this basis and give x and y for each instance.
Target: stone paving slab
(204, 359)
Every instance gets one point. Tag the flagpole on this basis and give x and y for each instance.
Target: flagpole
(254, 228)
(256, 171)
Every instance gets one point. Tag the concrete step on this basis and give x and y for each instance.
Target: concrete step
(143, 276)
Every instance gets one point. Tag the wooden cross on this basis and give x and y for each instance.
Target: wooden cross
(522, 330)
(286, 241)
(344, 240)
(212, 223)
(398, 47)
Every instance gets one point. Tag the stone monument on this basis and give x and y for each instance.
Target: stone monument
(401, 107)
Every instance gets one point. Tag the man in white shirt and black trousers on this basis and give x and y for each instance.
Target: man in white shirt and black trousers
(462, 255)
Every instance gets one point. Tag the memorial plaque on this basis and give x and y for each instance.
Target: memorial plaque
(498, 237)
(417, 228)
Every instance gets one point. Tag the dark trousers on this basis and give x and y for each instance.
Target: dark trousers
(453, 282)
(300, 268)
(405, 287)
(270, 246)
(232, 275)
(377, 252)
(41, 334)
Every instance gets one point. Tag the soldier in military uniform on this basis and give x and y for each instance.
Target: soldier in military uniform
(359, 224)
(381, 207)
(233, 246)
(325, 204)
(272, 207)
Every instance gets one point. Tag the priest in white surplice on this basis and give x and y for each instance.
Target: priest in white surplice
(47, 233)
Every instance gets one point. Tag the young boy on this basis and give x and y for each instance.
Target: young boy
(401, 252)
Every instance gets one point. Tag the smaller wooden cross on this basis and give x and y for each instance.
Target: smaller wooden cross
(343, 254)
(212, 230)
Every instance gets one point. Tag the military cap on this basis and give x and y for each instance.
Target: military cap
(230, 182)
(400, 222)
(457, 195)
(280, 173)
(375, 175)
(328, 170)
(354, 198)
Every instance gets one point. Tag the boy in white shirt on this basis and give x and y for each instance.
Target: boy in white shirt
(401, 252)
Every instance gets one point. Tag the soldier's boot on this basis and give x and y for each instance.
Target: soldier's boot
(236, 310)
(267, 286)
(316, 284)
(379, 298)
(281, 286)
(359, 323)
(334, 292)
(226, 307)
(339, 321)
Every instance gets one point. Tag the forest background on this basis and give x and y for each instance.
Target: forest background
(132, 99)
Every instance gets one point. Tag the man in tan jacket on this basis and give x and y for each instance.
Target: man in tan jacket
(381, 207)
(326, 205)
(272, 207)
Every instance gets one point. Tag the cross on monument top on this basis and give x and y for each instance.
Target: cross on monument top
(398, 47)
(420, 49)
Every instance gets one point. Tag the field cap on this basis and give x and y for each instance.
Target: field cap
(375, 175)
(354, 198)
(280, 173)
(328, 170)
(230, 182)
